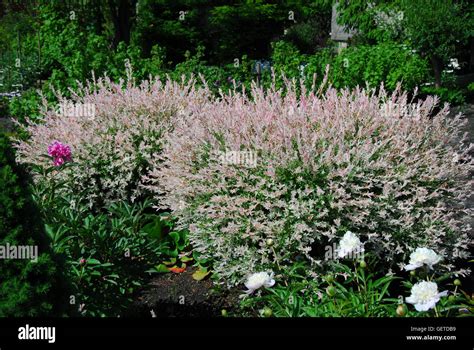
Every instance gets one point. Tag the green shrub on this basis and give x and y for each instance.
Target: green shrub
(25, 106)
(107, 254)
(450, 95)
(287, 59)
(28, 287)
(470, 87)
(387, 63)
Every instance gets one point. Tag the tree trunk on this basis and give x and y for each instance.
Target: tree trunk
(122, 11)
(471, 61)
(437, 66)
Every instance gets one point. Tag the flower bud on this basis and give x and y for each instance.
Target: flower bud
(451, 298)
(267, 312)
(331, 291)
(269, 242)
(401, 310)
(329, 278)
(457, 282)
(412, 273)
(363, 264)
(224, 313)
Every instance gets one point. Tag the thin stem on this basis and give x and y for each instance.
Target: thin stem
(278, 265)
(356, 276)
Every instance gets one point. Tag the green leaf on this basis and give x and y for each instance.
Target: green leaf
(172, 261)
(154, 228)
(93, 261)
(161, 268)
(175, 236)
(107, 265)
(200, 274)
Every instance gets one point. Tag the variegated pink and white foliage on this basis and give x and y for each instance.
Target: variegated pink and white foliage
(368, 162)
(111, 150)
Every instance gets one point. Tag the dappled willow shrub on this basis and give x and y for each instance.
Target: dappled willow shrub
(112, 149)
(365, 161)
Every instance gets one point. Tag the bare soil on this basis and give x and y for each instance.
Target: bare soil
(179, 295)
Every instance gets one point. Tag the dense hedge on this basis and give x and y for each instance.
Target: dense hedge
(301, 170)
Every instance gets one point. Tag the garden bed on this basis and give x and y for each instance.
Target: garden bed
(180, 295)
(324, 203)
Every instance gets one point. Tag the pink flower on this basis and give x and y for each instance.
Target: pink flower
(60, 153)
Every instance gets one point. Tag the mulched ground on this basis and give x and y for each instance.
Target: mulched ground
(179, 295)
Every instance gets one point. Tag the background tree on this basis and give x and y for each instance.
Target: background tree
(435, 28)
(122, 13)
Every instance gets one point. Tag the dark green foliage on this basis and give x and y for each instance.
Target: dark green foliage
(26, 287)
(436, 29)
(387, 63)
(229, 29)
(222, 41)
(106, 253)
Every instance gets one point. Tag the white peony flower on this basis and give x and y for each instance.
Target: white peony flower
(424, 295)
(422, 256)
(350, 244)
(258, 280)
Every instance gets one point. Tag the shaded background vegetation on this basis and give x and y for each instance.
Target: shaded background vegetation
(57, 43)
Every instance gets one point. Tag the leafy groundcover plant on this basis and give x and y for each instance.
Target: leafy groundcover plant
(267, 178)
